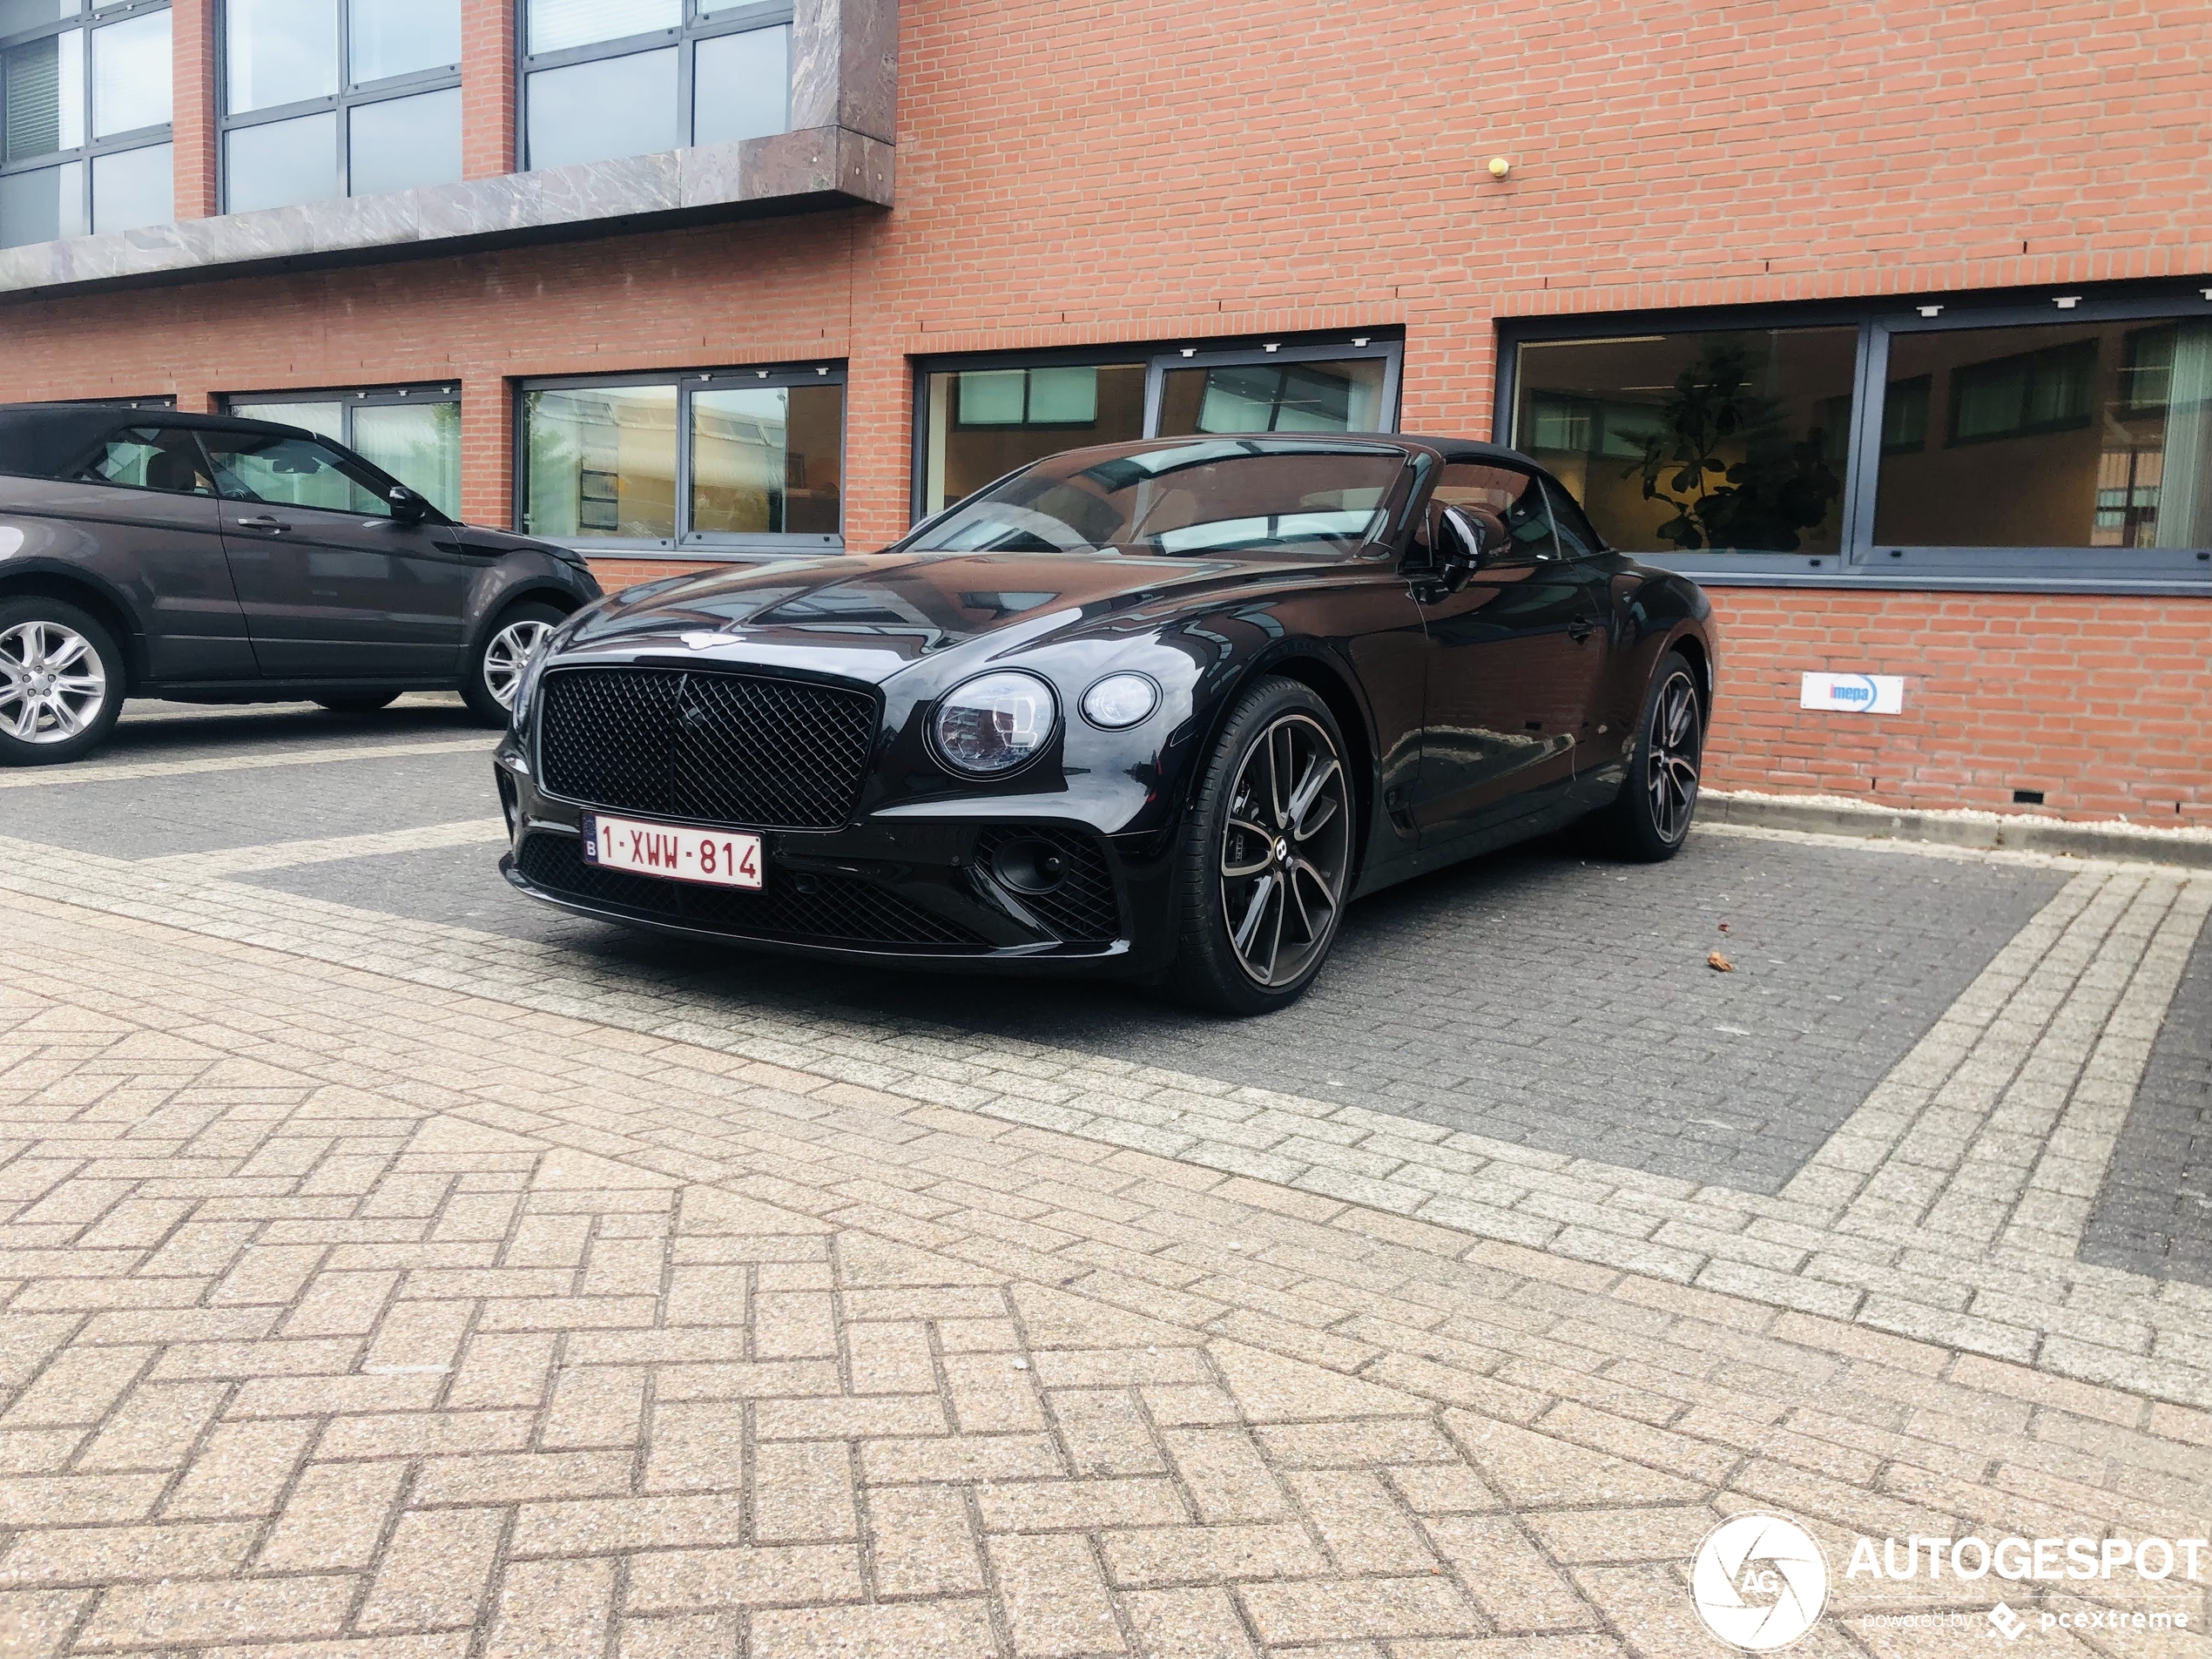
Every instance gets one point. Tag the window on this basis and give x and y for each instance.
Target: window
(294, 472)
(976, 421)
(603, 79)
(85, 117)
(412, 432)
(338, 98)
(148, 458)
(743, 457)
(1511, 508)
(2020, 443)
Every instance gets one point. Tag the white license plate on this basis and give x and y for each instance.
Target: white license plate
(718, 858)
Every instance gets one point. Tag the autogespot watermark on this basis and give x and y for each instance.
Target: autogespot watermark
(1759, 1582)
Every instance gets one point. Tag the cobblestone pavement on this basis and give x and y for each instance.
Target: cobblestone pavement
(377, 1284)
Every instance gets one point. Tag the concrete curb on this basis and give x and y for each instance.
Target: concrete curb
(1955, 829)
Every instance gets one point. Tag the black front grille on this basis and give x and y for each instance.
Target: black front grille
(832, 908)
(1081, 908)
(736, 749)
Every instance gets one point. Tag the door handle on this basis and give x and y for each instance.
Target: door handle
(1580, 628)
(260, 523)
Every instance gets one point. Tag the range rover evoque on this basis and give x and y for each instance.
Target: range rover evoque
(209, 559)
(1157, 708)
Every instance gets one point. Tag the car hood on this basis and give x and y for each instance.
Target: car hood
(867, 617)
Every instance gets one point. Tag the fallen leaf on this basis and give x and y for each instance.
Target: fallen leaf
(1724, 926)
(1719, 963)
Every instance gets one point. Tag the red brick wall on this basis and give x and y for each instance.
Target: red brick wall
(192, 47)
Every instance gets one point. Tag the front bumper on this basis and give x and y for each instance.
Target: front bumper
(960, 892)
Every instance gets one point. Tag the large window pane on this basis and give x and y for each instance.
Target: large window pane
(600, 460)
(594, 111)
(132, 83)
(1683, 443)
(403, 143)
(281, 163)
(280, 51)
(983, 423)
(17, 14)
(328, 418)
(388, 37)
(134, 188)
(741, 86)
(767, 461)
(42, 207)
(1268, 397)
(42, 85)
(2073, 435)
(417, 443)
(556, 26)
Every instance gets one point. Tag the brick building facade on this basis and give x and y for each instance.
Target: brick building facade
(1834, 193)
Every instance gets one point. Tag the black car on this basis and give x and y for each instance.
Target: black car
(1157, 708)
(208, 559)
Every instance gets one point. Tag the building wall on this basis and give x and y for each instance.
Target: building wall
(1071, 171)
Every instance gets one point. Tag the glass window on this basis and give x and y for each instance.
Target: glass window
(2074, 436)
(600, 461)
(91, 100)
(983, 423)
(146, 458)
(1723, 442)
(328, 418)
(294, 472)
(605, 79)
(412, 433)
(1510, 506)
(767, 461)
(1269, 397)
(381, 79)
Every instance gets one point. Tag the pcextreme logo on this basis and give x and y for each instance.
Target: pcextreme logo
(1759, 1582)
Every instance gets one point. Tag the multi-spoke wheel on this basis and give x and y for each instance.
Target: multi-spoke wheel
(518, 630)
(1269, 856)
(61, 682)
(1652, 817)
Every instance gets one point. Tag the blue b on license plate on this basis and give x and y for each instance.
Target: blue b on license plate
(673, 852)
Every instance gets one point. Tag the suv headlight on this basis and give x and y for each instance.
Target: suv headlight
(994, 722)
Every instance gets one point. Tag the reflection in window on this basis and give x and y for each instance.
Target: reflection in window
(600, 460)
(1267, 397)
(93, 96)
(2070, 436)
(765, 461)
(983, 423)
(1728, 441)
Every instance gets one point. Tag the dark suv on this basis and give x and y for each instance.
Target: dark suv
(213, 559)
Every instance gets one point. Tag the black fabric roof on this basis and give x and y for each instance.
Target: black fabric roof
(47, 440)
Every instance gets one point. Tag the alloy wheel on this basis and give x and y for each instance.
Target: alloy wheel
(1676, 744)
(52, 683)
(1284, 850)
(509, 649)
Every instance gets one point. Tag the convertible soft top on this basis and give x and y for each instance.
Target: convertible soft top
(51, 440)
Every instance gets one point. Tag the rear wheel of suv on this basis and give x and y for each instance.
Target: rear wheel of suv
(367, 703)
(62, 683)
(489, 685)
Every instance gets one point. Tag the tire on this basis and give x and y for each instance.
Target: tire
(49, 718)
(367, 703)
(1266, 855)
(1650, 820)
(489, 686)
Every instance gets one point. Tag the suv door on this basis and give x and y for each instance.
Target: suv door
(1513, 657)
(332, 586)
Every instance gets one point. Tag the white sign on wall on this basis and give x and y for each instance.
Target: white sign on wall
(1854, 693)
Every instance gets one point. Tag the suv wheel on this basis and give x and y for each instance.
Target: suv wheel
(1266, 855)
(518, 632)
(61, 682)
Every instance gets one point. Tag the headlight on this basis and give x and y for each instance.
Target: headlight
(1120, 700)
(995, 722)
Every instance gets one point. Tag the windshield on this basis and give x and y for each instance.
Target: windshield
(1213, 496)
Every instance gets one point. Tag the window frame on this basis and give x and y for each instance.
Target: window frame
(343, 102)
(1861, 562)
(684, 36)
(1158, 357)
(688, 544)
(90, 17)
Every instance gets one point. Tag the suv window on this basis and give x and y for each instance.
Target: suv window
(1509, 504)
(145, 458)
(295, 472)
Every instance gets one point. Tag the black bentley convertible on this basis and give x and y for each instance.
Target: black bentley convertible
(1158, 709)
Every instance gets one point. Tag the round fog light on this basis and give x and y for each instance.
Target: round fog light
(1120, 700)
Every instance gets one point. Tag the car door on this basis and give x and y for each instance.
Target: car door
(332, 586)
(1514, 654)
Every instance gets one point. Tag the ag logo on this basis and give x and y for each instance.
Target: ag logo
(1759, 1582)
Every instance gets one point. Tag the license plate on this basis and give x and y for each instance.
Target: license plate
(715, 857)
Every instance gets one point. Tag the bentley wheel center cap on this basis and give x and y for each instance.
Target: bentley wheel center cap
(1282, 851)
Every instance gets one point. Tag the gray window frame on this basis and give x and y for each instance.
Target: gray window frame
(350, 398)
(688, 544)
(686, 38)
(344, 100)
(89, 18)
(1861, 562)
(1386, 344)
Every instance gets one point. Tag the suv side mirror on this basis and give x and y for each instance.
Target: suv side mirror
(407, 507)
(1462, 544)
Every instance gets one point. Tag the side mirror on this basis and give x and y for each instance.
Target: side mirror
(1462, 544)
(407, 507)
